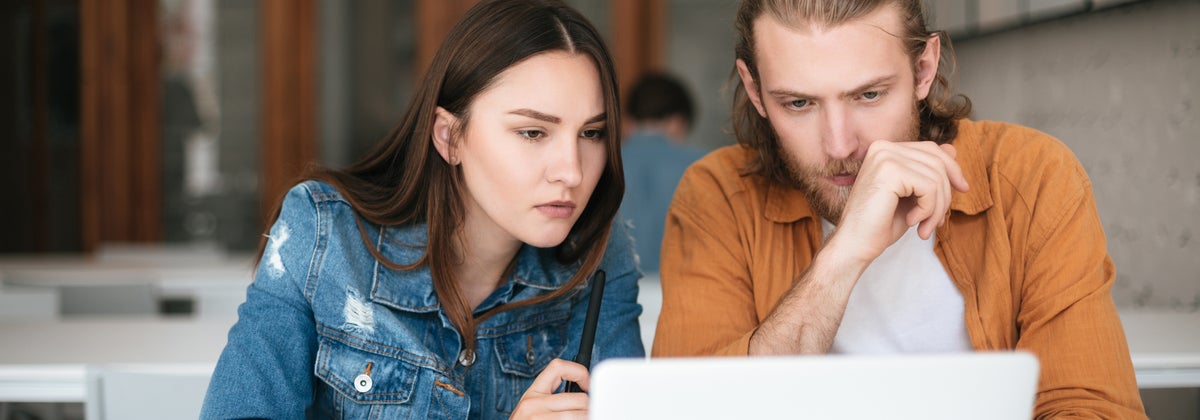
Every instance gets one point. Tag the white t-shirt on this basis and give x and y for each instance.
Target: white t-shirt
(903, 303)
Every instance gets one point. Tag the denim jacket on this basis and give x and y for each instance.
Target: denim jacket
(328, 332)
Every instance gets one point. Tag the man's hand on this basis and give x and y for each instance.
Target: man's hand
(540, 401)
(900, 185)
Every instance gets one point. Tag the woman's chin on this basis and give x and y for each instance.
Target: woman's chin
(546, 239)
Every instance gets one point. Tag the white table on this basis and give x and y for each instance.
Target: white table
(1165, 348)
(48, 361)
(177, 276)
(215, 285)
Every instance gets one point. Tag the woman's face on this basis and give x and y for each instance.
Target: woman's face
(533, 150)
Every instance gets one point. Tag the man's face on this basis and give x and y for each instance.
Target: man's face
(829, 92)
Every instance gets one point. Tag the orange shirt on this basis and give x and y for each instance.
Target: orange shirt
(1024, 246)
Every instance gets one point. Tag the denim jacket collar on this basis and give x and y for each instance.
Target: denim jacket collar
(412, 290)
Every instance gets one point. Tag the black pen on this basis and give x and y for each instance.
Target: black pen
(584, 357)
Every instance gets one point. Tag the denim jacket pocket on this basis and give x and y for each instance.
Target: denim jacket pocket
(366, 381)
(523, 351)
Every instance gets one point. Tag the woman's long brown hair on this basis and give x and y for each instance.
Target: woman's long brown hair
(404, 181)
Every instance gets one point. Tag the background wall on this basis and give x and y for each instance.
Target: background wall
(700, 41)
(1121, 87)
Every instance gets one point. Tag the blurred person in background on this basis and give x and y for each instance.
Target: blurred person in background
(655, 153)
(444, 274)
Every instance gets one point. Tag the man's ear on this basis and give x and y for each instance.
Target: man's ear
(927, 66)
(751, 87)
(443, 129)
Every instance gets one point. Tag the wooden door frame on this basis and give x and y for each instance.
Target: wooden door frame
(639, 38)
(289, 97)
(120, 122)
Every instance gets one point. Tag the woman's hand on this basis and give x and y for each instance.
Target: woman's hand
(540, 401)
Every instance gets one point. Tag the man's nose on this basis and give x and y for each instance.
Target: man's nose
(838, 134)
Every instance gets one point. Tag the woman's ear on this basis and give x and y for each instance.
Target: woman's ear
(443, 127)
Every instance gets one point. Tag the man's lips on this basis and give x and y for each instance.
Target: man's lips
(842, 180)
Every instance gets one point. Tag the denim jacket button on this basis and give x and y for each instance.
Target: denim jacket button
(363, 383)
(466, 357)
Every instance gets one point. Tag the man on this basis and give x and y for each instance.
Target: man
(862, 213)
(654, 155)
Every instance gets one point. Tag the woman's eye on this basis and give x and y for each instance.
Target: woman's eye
(798, 103)
(872, 95)
(532, 135)
(593, 134)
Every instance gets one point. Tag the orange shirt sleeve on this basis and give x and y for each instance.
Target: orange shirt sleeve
(708, 303)
(1067, 316)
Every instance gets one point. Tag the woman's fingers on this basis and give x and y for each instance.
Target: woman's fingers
(562, 415)
(557, 371)
(566, 401)
(540, 401)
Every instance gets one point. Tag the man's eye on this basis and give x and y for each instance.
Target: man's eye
(872, 95)
(798, 103)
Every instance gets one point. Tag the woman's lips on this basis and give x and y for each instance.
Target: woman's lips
(557, 209)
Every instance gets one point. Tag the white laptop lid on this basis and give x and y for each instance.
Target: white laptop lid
(997, 386)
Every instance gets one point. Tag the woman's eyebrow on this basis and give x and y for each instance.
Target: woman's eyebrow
(536, 115)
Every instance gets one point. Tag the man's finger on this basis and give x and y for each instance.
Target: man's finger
(950, 150)
(953, 170)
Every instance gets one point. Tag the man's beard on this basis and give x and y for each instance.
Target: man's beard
(826, 199)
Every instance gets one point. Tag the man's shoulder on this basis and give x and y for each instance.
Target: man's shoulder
(1007, 143)
(726, 159)
(1022, 158)
(724, 166)
(1013, 149)
(720, 176)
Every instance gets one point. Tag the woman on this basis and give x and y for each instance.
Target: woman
(440, 275)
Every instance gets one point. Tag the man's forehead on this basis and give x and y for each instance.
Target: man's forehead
(885, 21)
(830, 60)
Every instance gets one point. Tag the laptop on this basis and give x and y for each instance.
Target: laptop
(986, 385)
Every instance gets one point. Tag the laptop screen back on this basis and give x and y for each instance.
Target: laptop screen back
(997, 386)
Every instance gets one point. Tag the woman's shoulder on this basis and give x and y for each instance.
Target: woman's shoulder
(311, 199)
(312, 192)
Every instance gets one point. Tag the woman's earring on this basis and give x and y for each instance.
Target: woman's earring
(453, 160)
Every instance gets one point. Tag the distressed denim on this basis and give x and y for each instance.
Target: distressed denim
(328, 332)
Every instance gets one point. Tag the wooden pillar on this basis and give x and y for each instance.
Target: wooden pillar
(289, 95)
(39, 184)
(434, 20)
(639, 38)
(120, 133)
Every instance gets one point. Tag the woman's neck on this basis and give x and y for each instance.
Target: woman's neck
(488, 252)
